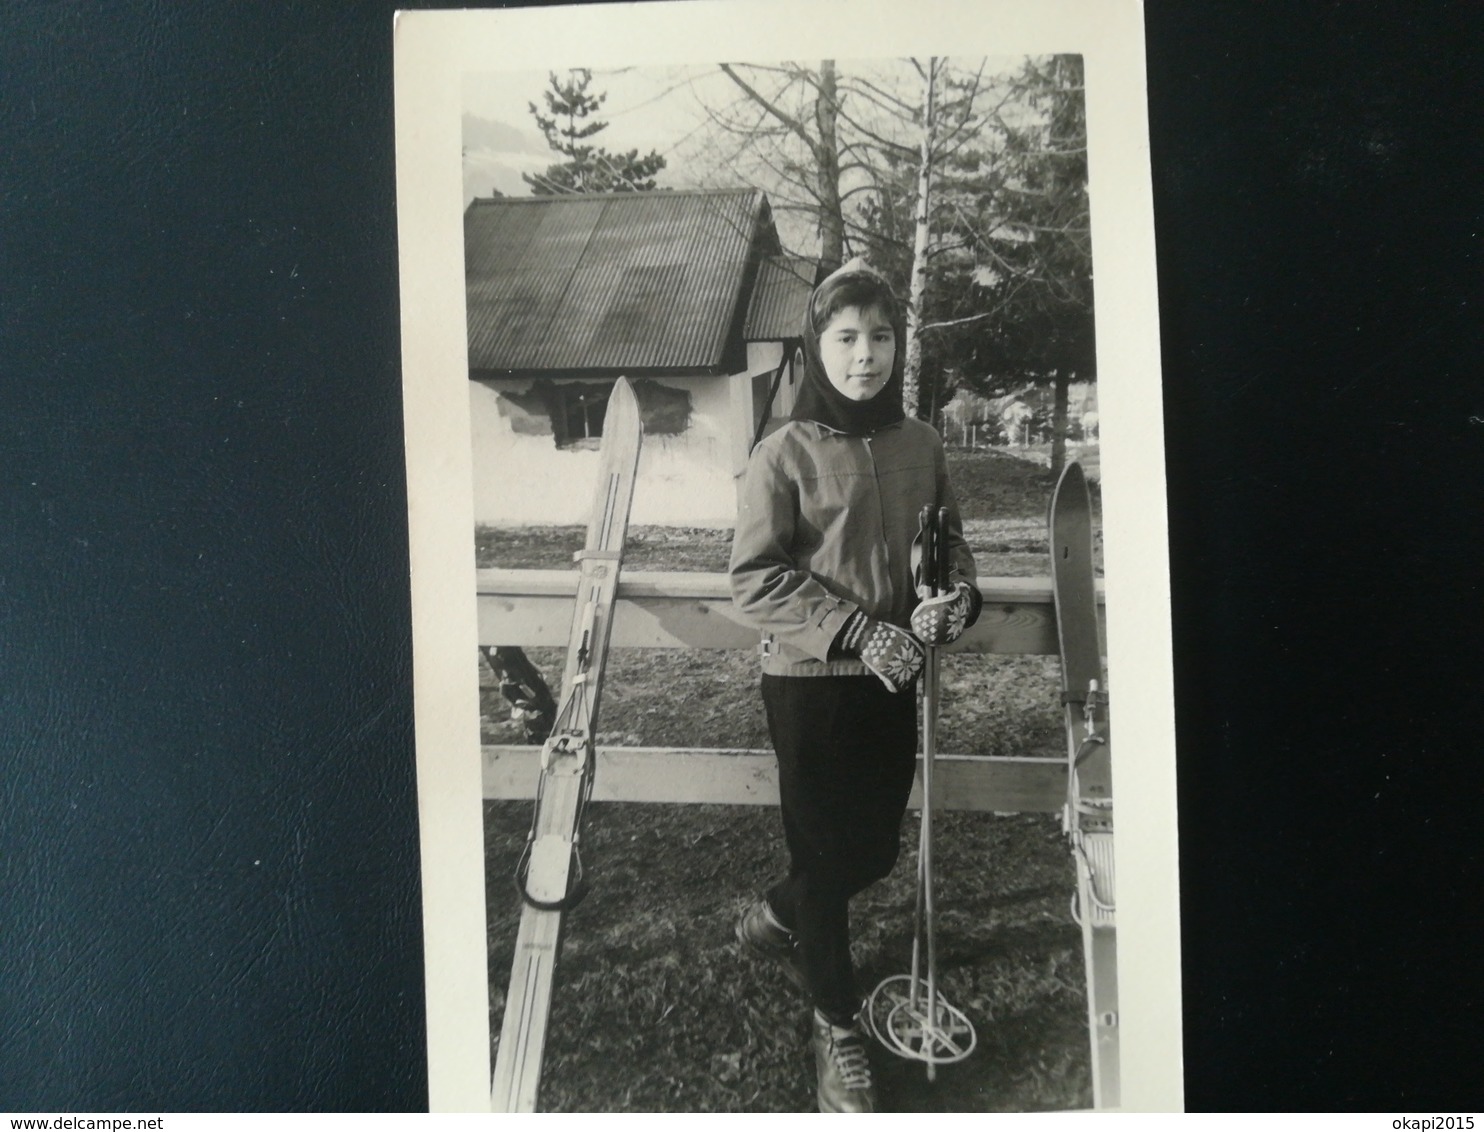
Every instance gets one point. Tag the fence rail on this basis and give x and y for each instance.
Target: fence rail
(655, 609)
(694, 611)
(744, 778)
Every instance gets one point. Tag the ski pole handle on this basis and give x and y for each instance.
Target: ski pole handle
(928, 576)
(940, 544)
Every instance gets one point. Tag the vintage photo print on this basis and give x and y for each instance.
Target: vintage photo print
(783, 447)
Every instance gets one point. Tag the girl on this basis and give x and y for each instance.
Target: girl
(822, 563)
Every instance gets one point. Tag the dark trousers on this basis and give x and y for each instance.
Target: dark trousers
(846, 755)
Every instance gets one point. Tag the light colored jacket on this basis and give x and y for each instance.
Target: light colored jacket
(828, 524)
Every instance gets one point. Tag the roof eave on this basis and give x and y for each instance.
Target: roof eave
(598, 373)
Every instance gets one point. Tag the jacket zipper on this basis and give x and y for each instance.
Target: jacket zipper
(891, 597)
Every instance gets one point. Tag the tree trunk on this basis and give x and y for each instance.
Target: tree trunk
(912, 367)
(827, 157)
(1059, 422)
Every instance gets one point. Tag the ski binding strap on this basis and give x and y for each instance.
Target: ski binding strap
(549, 875)
(1088, 822)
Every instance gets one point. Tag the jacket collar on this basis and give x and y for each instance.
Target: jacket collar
(825, 429)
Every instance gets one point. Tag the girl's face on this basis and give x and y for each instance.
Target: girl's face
(857, 348)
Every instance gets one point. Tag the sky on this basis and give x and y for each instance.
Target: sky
(648, 108)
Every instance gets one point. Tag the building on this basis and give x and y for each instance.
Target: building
(685, 293)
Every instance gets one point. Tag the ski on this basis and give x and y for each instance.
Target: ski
(1087, 818)
(550, 873)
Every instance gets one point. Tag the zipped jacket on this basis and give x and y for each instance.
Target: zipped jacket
(827, 524)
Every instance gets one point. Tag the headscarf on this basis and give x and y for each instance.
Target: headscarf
(819, 400)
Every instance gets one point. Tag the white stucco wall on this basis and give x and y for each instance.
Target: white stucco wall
(684, 480)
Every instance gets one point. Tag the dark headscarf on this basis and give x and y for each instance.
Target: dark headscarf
(863, 286)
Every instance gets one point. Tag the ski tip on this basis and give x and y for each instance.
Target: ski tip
(623, 391)
(1071, 474)
(1072, 478)
(623, 417)
(1071, 491)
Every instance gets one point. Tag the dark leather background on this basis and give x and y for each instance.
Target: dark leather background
(208, 837)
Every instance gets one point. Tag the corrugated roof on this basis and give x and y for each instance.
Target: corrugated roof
(779, 299)
(631, 281)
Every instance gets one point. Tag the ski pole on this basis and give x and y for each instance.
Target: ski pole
(919, 1024)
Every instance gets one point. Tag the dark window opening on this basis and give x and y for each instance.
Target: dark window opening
(578, 412)
(664, 410)
(574, 413)
(584, 416)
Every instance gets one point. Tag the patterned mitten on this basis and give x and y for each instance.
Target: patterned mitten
(942, 620)
(893, 654)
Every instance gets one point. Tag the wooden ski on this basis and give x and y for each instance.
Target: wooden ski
(1087, 818)
(550, 874)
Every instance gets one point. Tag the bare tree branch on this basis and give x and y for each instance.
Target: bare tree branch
(856, 84)
(782, 115)
(884, 143)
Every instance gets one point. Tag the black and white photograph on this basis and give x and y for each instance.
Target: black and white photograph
(412, 434)
(781, 474)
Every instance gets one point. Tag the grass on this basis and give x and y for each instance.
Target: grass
(658, 1008)
(647, 548)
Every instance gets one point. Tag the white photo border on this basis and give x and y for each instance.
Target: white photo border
(433, 52)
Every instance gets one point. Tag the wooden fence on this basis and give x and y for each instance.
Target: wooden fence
(533, 608)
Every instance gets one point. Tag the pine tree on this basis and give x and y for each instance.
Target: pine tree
(1041, 278)
(567, 126)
